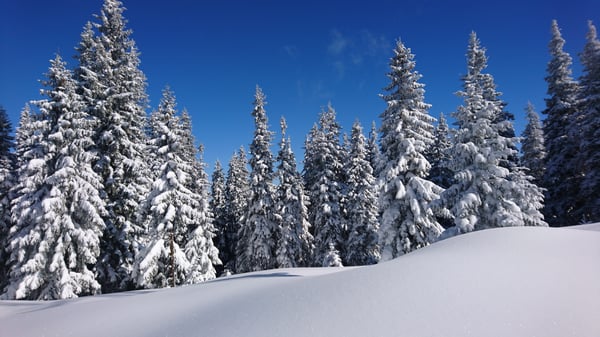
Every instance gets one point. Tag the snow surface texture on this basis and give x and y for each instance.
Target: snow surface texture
(498, 282)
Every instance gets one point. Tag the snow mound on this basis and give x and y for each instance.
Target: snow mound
(502, 282)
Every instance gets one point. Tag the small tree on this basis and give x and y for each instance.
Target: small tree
(533, 149)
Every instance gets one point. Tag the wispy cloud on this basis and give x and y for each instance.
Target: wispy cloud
(338, 43)
(352, 50)
(291, 50)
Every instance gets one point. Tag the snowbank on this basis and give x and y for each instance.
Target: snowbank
(502, 282)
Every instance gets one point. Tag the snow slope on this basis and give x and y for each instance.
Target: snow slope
(502, 282)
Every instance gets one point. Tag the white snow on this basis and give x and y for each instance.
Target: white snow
(526, 281)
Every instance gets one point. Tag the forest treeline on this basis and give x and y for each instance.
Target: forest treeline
(97, 196)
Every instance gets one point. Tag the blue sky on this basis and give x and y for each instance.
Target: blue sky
(303, 54)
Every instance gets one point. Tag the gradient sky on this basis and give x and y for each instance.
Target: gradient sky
(303, 54)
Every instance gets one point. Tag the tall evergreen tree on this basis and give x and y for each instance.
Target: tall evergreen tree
(237, 194)
(486, 193)
(533, 149)
(407, 220)
(323, 176)
(589, 119)
(114, 90)
(362, 245)
(218, 207)
(200, 248)
(260, 221)
(173, 212)
(562, 175)
(295, 243)
(55, 241)
(7, 180)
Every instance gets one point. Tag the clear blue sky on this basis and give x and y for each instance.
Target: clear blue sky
(303, 54)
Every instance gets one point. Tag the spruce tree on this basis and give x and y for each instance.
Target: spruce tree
(237, 194)
(562, 175)
(174, 215)
(114, 91)
(7, 180)
(200, 249)
(438, 154)
(295, 243)
(57, 210)
(532, 148)
(486, 193)
(323, 176)
(407, 220)
(260, 221)
(589, 119)
(373, 149)
(218, 207)
(361, 201)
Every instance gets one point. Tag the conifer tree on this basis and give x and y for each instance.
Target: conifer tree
(7, 180)
(562, 175)
(260, 221)
(589, 119)
(533, 149)
(237, 193)
(295, 243)
(407, 220)
(362, 244)
(174, 214)
(200, 249)
(373, 149)
(57, 209)
(114, 89)
(486, 193)
(438, 154)
(218, 207)
(323, 176)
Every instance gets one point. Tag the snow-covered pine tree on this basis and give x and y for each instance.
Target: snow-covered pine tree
(200, 249)
(589, 119)
(361, 201)
(438, 154)
(114, 90)
(57, 210)
(7, 180)
(295, 243)
(407, 221)
(562, 175)
(373, 149)
(172, 210)
(260, 220)
(237, 195)
(486, 193)
(332, 257)
(218, 208)
(532, 148)
(323, 166)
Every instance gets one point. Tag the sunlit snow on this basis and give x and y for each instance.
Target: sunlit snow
(517, 282)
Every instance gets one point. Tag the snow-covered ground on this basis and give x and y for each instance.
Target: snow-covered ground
(502, 282)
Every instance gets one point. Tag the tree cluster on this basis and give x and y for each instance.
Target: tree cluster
(99, 197)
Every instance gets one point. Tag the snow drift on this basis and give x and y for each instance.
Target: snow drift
(501, 282)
